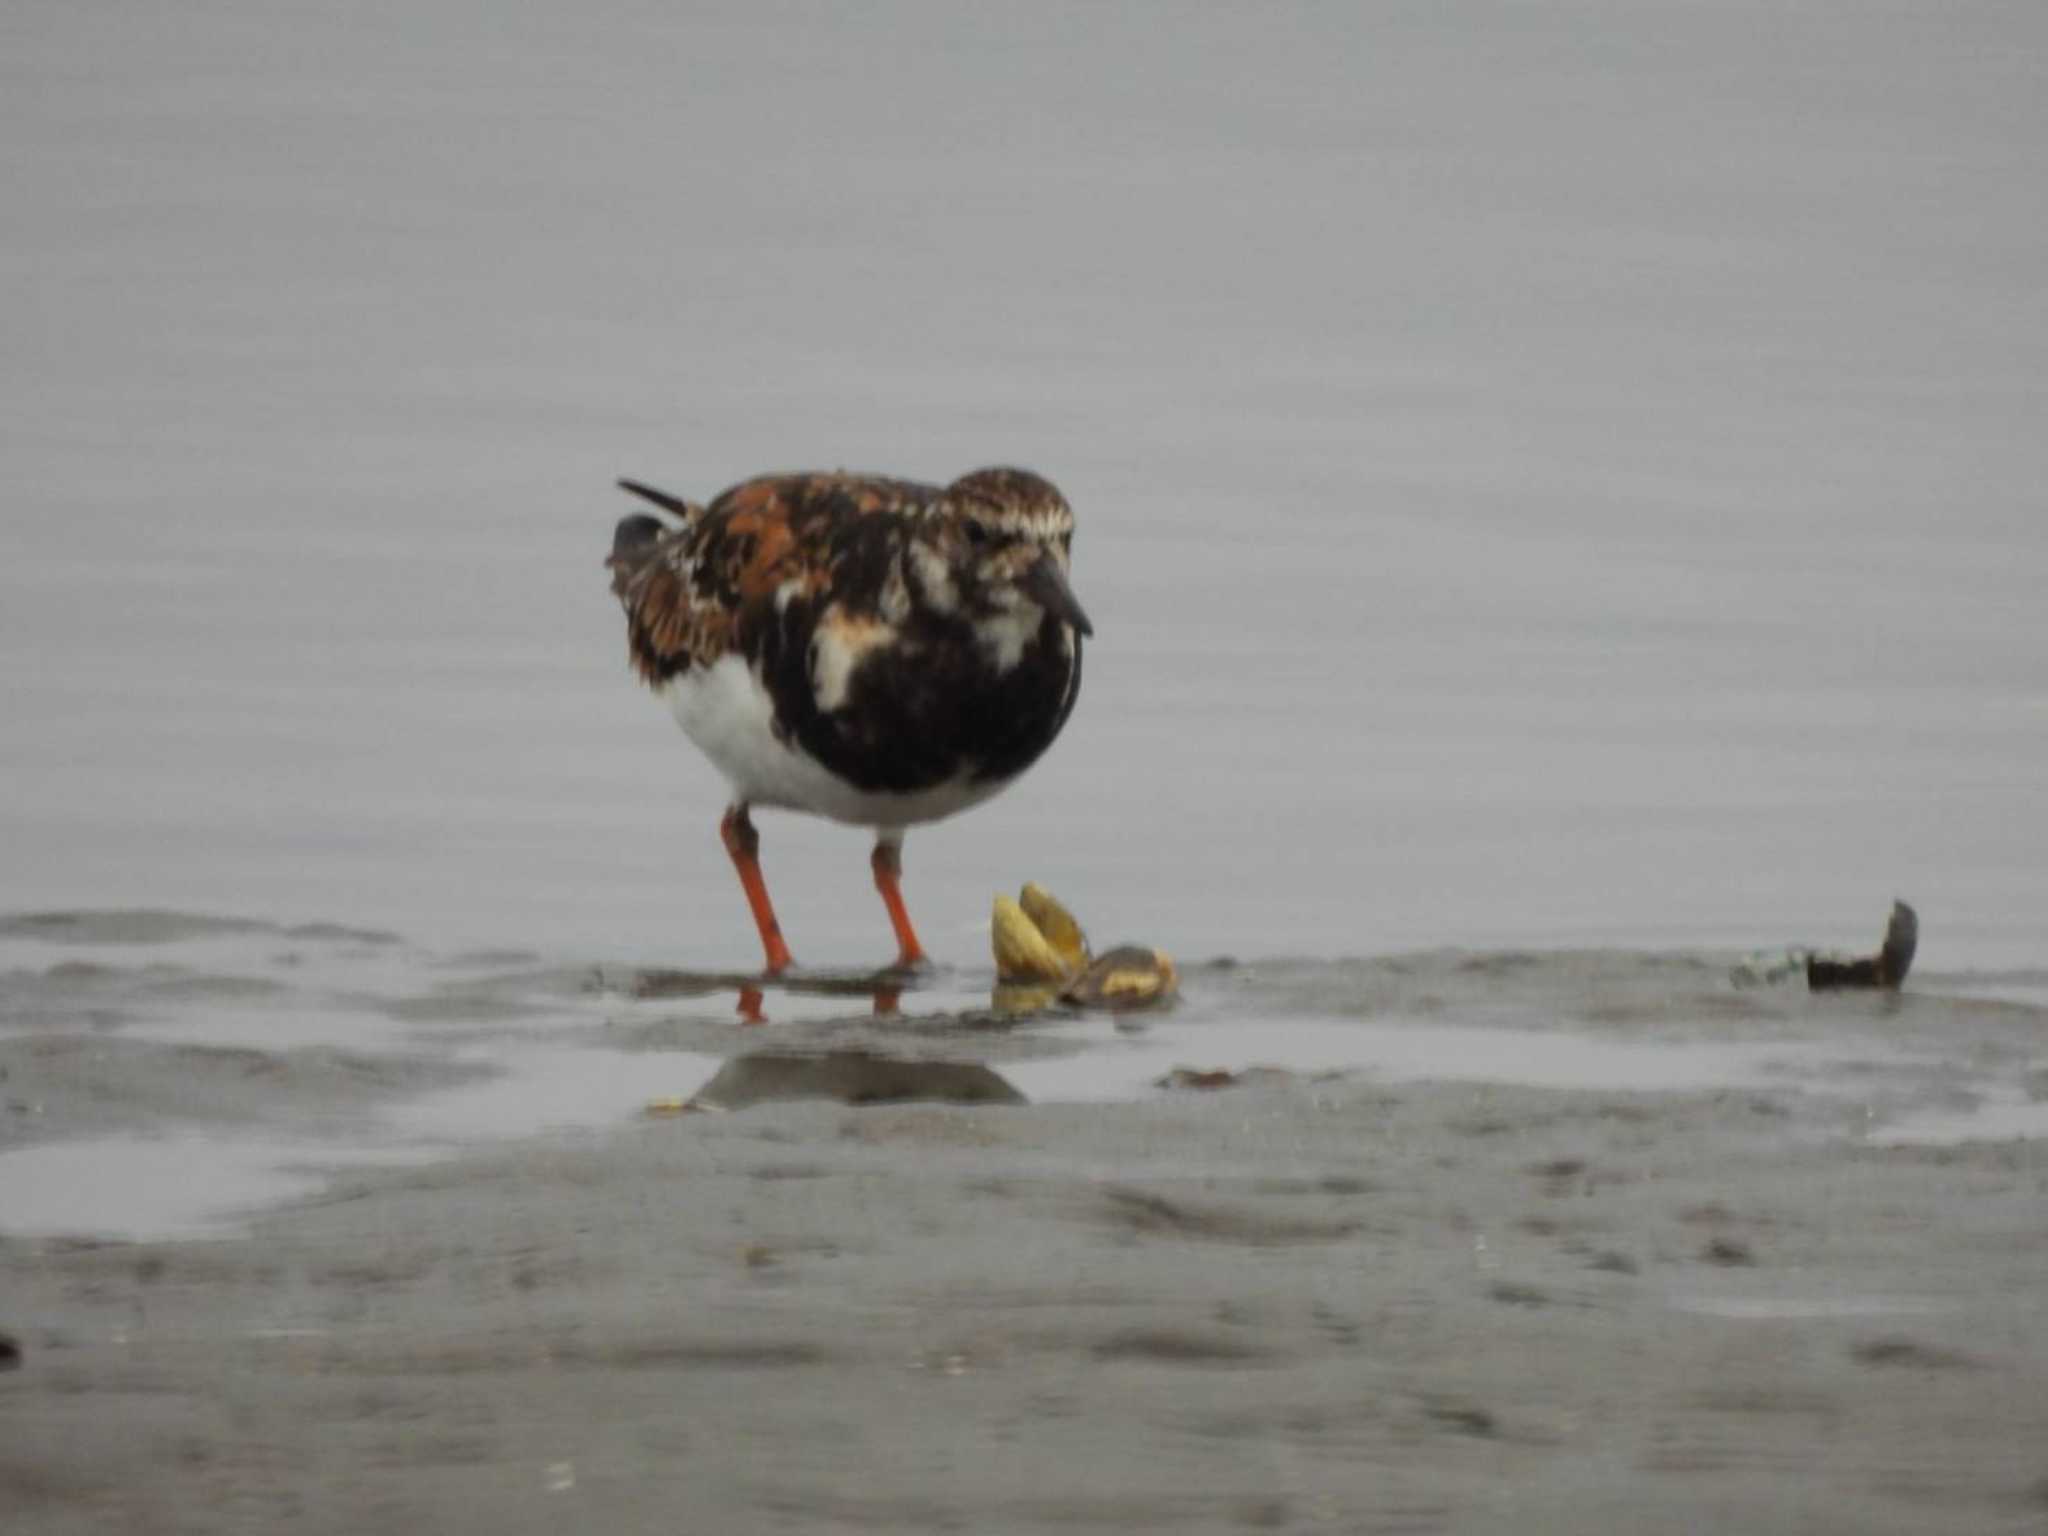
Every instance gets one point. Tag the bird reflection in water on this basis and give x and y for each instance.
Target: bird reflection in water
(886, 997)
(841, 1075)
(883, 990)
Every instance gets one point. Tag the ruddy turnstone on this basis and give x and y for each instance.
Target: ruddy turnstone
(880, 652)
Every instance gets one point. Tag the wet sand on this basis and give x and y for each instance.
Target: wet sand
(1542, 1242)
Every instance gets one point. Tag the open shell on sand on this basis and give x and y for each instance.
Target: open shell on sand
(1042, 957)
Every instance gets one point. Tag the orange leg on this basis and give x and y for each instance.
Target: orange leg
(888, 866)
(744, 844)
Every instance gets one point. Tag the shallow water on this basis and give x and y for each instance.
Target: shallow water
(153, 1188)
(167, 1075)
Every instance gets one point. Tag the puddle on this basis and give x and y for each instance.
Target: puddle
(150, 1189)
(803, 997)
(1994, 1120)
(1766, 1308)
(554, 1089)
(271, 1028)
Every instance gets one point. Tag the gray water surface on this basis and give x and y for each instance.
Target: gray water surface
(1545, 476)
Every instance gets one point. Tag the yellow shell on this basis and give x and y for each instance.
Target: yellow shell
(1056, 924)
(1022, 953)
(1129, 976)
(1042, 956)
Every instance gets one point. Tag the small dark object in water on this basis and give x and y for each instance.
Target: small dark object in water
(1466, 1418)
(1913, 1354)
(1729, 1252)
(1887, 968)
(1207, 1080)
(1199, 1079)
(10, 1352)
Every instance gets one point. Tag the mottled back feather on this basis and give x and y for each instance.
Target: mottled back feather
(687, 591)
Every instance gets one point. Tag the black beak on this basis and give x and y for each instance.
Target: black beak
(1046, 585)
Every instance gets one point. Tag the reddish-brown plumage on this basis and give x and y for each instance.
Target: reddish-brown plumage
(916, 646)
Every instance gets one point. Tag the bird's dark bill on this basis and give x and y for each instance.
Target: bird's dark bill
(1047, 586)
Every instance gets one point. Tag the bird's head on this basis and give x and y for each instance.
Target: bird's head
(1008, 533)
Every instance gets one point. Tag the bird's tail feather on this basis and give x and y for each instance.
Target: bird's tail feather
(686, 510)
(637, 534)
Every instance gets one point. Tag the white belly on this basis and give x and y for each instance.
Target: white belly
(728, 714)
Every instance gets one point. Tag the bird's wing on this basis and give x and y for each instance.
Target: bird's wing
(686, 591)
(763, 534)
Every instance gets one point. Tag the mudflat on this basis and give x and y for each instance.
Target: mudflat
(1449, 1242)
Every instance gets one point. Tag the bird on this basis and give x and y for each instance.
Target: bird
(877, 651)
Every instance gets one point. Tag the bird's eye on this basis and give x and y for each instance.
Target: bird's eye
(977, 533)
